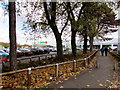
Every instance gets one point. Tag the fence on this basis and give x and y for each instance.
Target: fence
(36, 56)
(117, 58)
(43, 75)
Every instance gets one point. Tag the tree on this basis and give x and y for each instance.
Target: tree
(51, 19)
(47, 17)
(74, 23)
(95, 17)
(12, 36)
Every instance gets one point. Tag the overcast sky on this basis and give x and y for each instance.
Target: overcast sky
(21, 38)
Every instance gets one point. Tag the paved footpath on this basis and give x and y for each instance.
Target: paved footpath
(94, 78)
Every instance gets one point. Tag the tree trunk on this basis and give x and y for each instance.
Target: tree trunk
(59, 48)
(58, 43)
(12, 36)
(91, 43)
(85, 44)
(73, 42)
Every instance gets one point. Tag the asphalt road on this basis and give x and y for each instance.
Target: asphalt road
(95, 78)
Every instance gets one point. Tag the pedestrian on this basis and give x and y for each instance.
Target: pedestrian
(106, 50)
(102, 51)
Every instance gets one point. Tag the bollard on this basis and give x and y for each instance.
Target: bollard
(29, 77)
(56, 70)
(74, 65)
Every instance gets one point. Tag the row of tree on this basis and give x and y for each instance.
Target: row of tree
(87, 19)
(6, 45)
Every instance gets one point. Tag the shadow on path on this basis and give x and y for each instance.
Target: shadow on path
(94, 78)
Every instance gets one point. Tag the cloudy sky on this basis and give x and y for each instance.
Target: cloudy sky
(21, 38)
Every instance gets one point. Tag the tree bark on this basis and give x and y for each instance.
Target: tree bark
(91, 43)
(12, 36)
(73, 42)
(59, 48)
(58, 43)
(85, 44)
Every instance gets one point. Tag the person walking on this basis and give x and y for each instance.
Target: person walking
(102, 51)
(106, 50)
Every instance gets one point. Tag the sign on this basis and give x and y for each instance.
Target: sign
(43, 42)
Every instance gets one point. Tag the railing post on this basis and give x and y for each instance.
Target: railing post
(56, 70)
(29, 77)
(51, 56)
(39, 58)
(88, 60)
(30, 59)
(74, 65)
(84, 62)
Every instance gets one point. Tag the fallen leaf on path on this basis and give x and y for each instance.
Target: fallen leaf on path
(75, 78)
(108, 80)
(88, 85)
(66, 79)
(98, 80)
(61, 87)
(57, 82)
(101, 85)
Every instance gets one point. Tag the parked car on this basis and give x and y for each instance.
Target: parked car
(19, 53)
(46, 50)
(54, 49)
(37, 51)
(26, 52)
(114, 48)
(40, 50)
(4, 56)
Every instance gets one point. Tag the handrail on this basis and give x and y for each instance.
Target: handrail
(115, 55)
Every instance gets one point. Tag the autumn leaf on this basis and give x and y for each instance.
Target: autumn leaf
(88, 85)
(101, 85)
(61, 87)
(98, 80)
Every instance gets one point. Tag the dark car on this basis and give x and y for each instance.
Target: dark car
(40, 50)
(115, 49)
(46, 50)
(26, 52)
(35, 51)
(4, 56)
(20, 53)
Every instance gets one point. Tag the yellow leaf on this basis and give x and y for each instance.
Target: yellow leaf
(101, 84)
(75, 78)
(88, 85)
(98, 80)
(57, 82)
(61, 87)
(66, 79)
